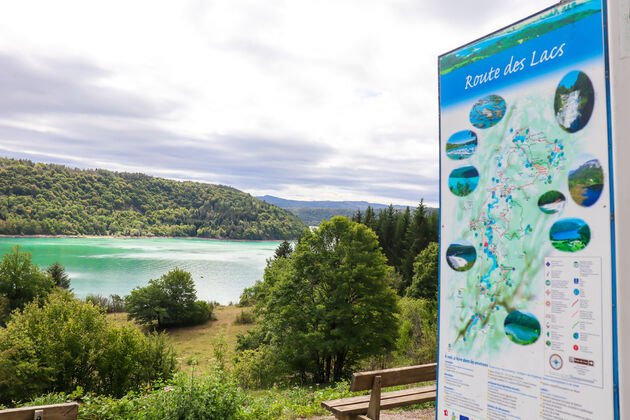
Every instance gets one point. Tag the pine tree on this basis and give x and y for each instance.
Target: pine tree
(59, 275)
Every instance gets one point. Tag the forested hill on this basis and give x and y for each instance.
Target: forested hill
(38, 198)
(347, 205)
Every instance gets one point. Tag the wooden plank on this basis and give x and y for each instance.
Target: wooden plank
(362, 381)
(366, 398)
(68, 411)
(387, 404)
(359, 405)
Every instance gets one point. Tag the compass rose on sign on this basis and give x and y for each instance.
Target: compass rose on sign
(555, 361)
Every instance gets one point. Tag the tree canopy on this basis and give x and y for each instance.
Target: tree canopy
(59, 275)
(168, 301)
(64, 343)
(425, 278)
(402, 236)
(328, 304)
(21, 281)
(37, 198)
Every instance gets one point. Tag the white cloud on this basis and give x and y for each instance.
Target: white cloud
(355, 80)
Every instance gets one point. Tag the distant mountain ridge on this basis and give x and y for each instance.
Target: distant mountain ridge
(348, 205)
(314, 212)
(48, 199)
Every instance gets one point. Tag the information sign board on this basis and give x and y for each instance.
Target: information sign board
(526, 247)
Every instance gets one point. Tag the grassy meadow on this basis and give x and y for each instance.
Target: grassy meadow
(197, 346)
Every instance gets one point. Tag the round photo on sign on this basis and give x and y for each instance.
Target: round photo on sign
(461, 255)
(462, 181)
(570, 235)
(586, 180)
(461, 145)
(551, 202)
(522, 327)
(488, 111)
(574, 100)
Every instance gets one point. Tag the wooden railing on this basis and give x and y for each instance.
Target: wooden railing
(67, 411)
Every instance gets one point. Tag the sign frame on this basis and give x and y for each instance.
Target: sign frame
(615, 67)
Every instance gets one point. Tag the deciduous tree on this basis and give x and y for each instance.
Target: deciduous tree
(168, 301)
(425, 277)
(21, 281)
(329, 305)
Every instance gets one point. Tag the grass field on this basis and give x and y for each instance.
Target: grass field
(196, 345)
(196, 348)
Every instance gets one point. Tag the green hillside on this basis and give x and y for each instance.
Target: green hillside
(37, 198)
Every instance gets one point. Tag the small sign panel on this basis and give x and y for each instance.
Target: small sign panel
(525, 255)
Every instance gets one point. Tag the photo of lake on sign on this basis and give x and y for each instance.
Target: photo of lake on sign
(461, 256)
(462, 181)
(570, 235)
(586, 180)
(552, 202)
(522, 327)
(461, 145)
(488, 111)
(220, 269)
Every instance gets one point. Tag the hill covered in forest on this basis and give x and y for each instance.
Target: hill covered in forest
(49, 199)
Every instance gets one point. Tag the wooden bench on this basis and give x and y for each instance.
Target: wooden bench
(68, 411)
(369, 406)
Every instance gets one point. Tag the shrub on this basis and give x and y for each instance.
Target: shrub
(97, 300)
(21, 281)
(258, 368)
(245, 317)
(246, 298)
(220, 397)
(115, 304)
(211, 396)
(417, 341)
(68, 343)
(199, 313)
(168, 301)
(112, 304)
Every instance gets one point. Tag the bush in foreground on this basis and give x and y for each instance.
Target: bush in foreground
(21, 281)
(68, 343)
(213, 396)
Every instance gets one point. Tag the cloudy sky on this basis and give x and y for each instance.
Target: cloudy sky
(303, 99)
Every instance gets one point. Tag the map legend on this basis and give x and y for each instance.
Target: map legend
(573, 319)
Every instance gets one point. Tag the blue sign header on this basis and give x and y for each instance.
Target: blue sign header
(475, 74)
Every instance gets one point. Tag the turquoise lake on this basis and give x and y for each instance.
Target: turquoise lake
(220, 269)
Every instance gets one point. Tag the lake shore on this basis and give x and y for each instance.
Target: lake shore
(140, 237)
(108, 265)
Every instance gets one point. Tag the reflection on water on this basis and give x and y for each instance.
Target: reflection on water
(221, 269)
